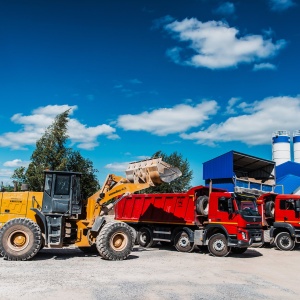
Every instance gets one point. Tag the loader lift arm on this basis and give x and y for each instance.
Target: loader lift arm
(139, 175)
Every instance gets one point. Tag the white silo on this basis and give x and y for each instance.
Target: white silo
(296, 144)
(281, 146)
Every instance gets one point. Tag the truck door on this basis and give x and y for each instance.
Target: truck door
(224, 213)
(286, 212)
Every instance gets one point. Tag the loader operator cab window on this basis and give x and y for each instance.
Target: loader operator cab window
(62, 186)
(48, 184)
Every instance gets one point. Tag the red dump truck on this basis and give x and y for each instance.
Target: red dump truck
(220, 220)
(280, 219)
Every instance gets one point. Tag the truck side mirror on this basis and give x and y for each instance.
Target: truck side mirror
(297, 205)
(230, 206)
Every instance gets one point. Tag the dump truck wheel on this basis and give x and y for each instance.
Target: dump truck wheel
(20, 239)
(115, 241)
(284, 241)
(145, 237)
(270, 209)
(237, 250)
(182, 242)
(202, 205)
(217, 245)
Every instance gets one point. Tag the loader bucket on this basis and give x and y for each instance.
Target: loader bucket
(153, 171)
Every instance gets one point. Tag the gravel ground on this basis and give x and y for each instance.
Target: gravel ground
(156, 273)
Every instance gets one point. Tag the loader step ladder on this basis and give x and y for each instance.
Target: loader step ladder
(54, 230)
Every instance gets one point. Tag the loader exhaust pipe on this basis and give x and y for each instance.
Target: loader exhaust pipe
(153, 171)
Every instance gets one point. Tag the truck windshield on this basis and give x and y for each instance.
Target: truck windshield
(247, 206)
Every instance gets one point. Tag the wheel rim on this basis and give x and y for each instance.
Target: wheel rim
(183, 242)
(143, 238)
(18, 240)
(118, 241)
(219, 245)
(285, 242)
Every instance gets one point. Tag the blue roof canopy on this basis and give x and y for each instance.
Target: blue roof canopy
(238, 164)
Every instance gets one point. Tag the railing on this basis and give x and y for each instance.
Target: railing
(247, 184)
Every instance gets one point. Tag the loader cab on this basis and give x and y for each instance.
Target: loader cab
(62, 193)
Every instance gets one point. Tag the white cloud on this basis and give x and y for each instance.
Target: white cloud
(230, 109)
(165, 121)
(16, 163)
(264, 66)
(5, 176)
(117, 167)
(34, 125)
(256, 127)
(226, 8)
(279, 5)
(215, 45)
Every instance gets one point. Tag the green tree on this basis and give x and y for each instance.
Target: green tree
(178, 185)
(89, 182)
(51, 153)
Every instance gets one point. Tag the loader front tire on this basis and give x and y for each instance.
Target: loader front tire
(115, 241)
(20, 239)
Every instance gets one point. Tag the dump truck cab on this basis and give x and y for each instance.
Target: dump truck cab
(280, 219)
(233, 223)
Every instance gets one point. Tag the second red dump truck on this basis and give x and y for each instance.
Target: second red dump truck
(280, 219)
(224, 222)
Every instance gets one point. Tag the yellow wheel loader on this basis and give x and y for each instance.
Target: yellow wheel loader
(58, 217)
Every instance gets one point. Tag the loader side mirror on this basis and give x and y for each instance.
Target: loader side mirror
(297, 205)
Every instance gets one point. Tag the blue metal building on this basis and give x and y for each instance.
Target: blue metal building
(234, 170)
(287, 177)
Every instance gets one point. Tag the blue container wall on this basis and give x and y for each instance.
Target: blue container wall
(225, 184)
(219, 167)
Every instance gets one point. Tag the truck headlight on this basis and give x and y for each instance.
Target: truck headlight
(244, 235)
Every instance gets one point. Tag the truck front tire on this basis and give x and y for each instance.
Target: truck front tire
(115, 241)
(284, 241)
(20, 239)
(217, 245)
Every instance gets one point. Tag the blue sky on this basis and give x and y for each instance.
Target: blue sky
(200, 77)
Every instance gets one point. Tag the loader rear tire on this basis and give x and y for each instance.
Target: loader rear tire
(115, 241)
(20, 239)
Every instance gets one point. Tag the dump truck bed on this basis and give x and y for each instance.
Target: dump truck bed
(157, 208)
